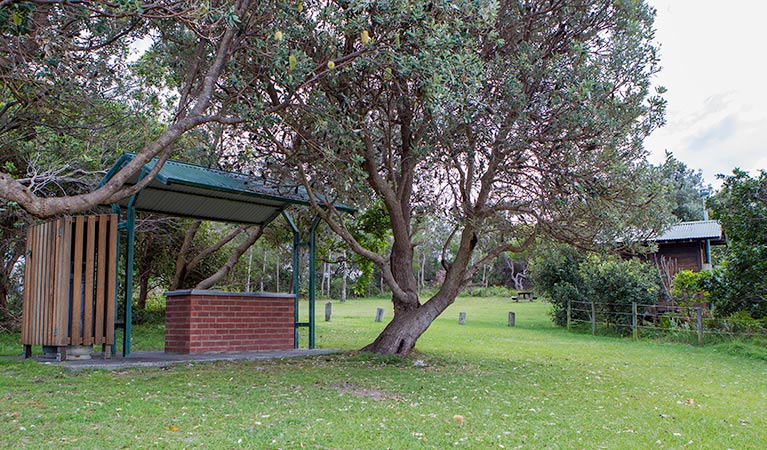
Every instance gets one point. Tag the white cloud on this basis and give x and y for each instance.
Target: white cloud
(711, 53)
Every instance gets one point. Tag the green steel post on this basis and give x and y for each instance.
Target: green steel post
(130, 227)
(131, 235)
(296, 281)
(120, 226)
(296, 261)
(312, 280)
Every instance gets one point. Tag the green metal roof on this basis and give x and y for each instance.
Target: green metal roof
(189, 190)
(697, 230)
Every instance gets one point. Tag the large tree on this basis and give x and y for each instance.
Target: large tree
(205, 67)
(741, 207)
(510, 119)
(686, 189)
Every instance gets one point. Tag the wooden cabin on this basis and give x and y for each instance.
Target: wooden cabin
(687, 245)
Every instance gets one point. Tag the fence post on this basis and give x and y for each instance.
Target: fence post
(461, 318)
(379, 314)
(569, 314)
(512, 319)
(328, 311)
(699, 314)
(593, 319)
(634, 328)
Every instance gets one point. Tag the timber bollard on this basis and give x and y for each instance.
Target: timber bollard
(634, 322)
(379, 314)
(462, 318)
(328, 311)
(512, 318)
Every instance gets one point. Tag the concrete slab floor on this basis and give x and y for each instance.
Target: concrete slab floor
(162, 359)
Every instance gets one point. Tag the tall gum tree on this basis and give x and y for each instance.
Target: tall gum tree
(510, 119)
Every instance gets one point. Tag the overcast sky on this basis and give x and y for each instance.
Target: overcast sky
(714, 64)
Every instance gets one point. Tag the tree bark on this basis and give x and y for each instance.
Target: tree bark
(400, 335)
(263, 271)
(4, 288)
(184, 265)
(145, 270)
(143, 290)
(253, 236)
(344, 275)
(411, 319)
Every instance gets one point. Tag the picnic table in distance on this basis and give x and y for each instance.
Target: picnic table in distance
(524, 295)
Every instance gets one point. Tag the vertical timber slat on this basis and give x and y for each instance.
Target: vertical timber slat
(47, 300)
(90, 254)
(42, 289)
(111, 281)
(38, 312)
(77, 283)
(63, 272)
(101, 280)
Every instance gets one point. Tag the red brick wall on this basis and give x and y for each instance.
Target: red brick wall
(199, 321)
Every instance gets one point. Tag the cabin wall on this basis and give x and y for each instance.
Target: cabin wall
(688, 255)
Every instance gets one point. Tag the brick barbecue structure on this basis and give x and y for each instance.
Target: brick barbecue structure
(206, 321)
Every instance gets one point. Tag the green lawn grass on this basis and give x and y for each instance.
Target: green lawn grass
(531, 386)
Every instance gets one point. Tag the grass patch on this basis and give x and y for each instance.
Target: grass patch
(531, 386)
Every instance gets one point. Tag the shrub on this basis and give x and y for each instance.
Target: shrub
(490, 291)
(689, 287)
(742, 322)
(154, 312)
(554, 272)
(608, 281)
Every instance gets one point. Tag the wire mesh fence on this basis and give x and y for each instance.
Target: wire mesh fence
(691, 323)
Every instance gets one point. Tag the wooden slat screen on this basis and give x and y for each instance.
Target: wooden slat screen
(69, 282)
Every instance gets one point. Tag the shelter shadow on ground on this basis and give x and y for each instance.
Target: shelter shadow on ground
(159, 359)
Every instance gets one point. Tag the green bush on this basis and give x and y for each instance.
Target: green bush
(608, 281)
(690, 287)
(554, 272)
(740, 284)
(490, 291)
(154, 312)
(742, 322)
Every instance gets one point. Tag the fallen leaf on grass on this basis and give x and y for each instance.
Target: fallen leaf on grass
(172, 428)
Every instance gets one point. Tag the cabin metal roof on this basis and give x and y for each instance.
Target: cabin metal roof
(698, 230)
(189, 190)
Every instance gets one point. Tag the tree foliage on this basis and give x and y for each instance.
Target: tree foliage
(204, 68)
(686, 189)
(741, 207)
(515, 119)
